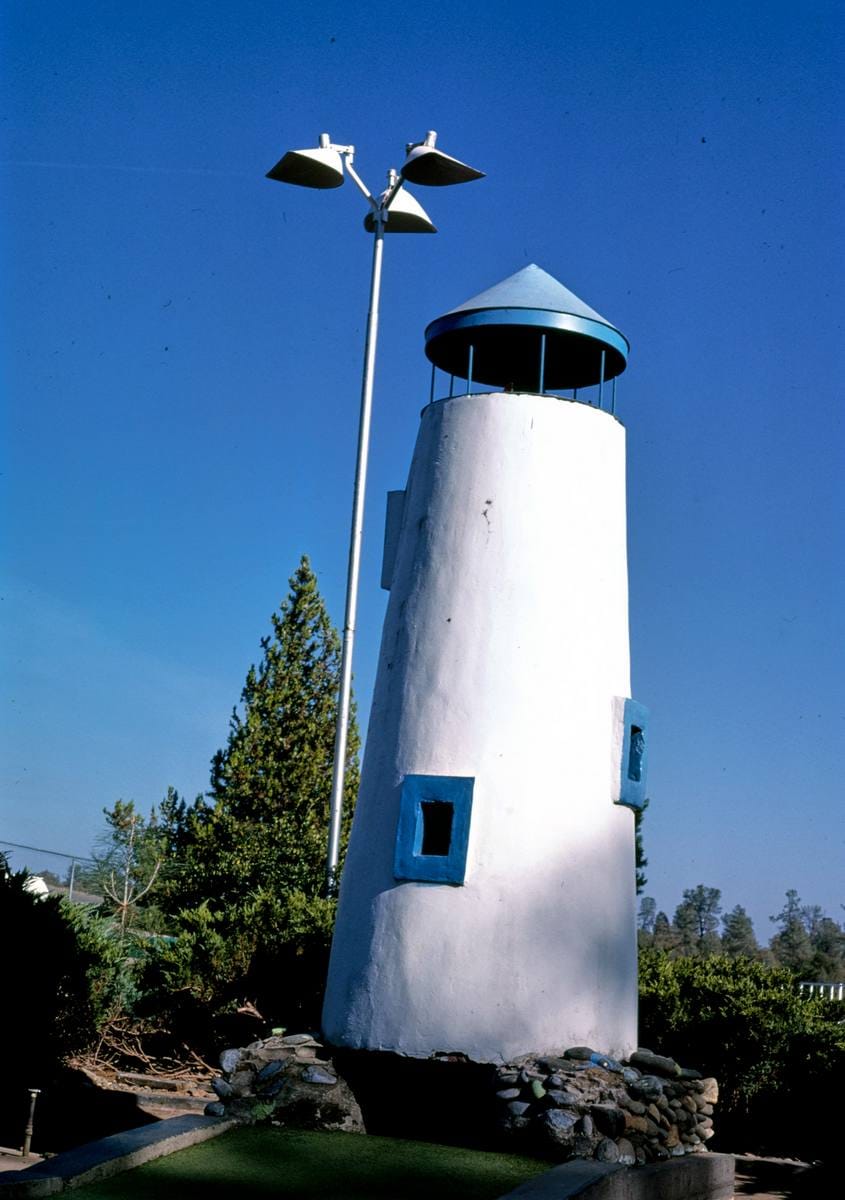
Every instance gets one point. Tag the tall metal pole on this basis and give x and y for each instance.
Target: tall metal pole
(323, 167)
(342, 724)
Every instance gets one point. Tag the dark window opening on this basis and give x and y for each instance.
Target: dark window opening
(635, 754)
(436, 827)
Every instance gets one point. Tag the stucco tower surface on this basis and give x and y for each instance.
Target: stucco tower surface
(504, 652)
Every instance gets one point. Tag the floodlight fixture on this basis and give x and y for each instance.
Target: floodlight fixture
(320, 167)
(394, 211)
(427, 165)
(403, 212)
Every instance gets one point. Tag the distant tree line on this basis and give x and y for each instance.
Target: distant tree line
(806, 941)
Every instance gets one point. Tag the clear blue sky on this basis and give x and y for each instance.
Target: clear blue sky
(181, 349)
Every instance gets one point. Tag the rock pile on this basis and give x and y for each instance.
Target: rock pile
(581, 1104)
(288, 1078)
(586, 1105)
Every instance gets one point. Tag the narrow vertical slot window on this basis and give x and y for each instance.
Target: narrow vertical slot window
(636, 750)
(437, 818)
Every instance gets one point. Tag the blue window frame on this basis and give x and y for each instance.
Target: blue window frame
(634, 765)
(433, 831)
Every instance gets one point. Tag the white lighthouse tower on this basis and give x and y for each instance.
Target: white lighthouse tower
(487, 905)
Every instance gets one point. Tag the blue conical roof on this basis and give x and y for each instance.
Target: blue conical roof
(528, 332)
(532, 287)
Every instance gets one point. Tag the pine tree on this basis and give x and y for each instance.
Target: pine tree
(266, 826)
(791, 946)
(645, 921)
(808, 942)
(640, 860)
(697, 920)
(664, 937)
(647, 914)
(250, 878)
(827, 962)
(738, 940)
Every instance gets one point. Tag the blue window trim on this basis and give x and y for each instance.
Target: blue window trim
(633, 772)
(409, 863)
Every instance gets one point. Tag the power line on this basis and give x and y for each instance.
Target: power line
(41, 850)
(169, 870)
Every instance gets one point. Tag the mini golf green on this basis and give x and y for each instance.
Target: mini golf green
(331, 1166)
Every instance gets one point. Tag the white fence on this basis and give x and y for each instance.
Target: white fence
(828, 991)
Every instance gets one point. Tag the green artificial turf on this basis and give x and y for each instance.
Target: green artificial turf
(331, 1166)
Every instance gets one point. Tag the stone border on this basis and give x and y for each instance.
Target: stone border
(696, 1177)
(110, 1156)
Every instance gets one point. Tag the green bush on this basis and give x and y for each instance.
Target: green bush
(64, 977)
(777, 1055)
(266, 955)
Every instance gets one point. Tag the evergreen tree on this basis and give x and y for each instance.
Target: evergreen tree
(791, 946)
(266, 826)
(696, 920)
(738, 940)
(808, 942)
(827, 962)
(127, 862)
(250, 889)
(645, 921)
(812, 916)
(647, 914)
(169, 820)
(640, 861)
(664, 937)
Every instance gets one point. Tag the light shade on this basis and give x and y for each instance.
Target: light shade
(321, 167)
(427, 165)
(404, 215)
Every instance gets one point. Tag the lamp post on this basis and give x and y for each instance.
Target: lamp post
(34, 1093)
(394, 211)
